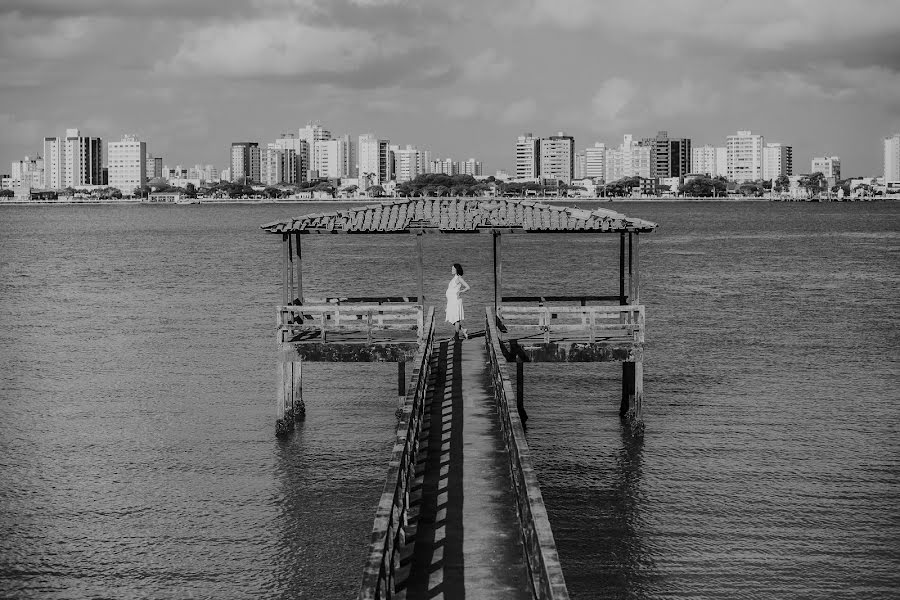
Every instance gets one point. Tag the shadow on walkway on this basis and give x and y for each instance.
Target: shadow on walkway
(435, 535)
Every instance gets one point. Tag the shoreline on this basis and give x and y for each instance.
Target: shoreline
(364, 200)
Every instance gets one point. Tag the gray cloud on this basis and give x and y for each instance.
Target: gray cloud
(59, 9)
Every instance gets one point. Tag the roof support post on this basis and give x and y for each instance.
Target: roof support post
(299, 264)
(622, 268)
(630, 271)
(420, 270)
(286, 258)
(498, 297)
(637, 272)
(290, 268)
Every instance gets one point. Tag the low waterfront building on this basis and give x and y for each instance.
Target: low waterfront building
(829, 166)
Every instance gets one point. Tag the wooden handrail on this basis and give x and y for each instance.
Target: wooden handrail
(582, 299)
(541, 557)
(626, 320)
(388, 533)
(348, 317)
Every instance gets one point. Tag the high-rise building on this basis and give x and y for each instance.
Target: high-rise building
(595, 160)
(744, 156)
(891, 158)
(290, 141)
(374, 159)
(557, 159)
(333, 158)
(580, 165)
(528, 156)
(670, 157)
(53, 162)
(277, 165)
(408, 163)
(127, 164)
(470, 167)
(245, 162)
(154, 166)
(630, 159)
(778, 159)
(73, 161)
(312, 133)
(445, 166)
(710, 160)
(829, 166)
(28, 172)
(84, 159)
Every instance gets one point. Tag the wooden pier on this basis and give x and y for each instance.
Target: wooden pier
(435, 530)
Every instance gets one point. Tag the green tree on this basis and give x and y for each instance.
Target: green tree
(814, 183)
(375, 191)
(704, 187)
(190, 190)
(782, 183)
(7, 193)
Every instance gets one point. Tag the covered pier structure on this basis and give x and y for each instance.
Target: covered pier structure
(436, 530)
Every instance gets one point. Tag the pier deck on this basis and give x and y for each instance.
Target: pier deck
(463, 539)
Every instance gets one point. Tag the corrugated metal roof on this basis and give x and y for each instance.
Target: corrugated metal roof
(460, 215)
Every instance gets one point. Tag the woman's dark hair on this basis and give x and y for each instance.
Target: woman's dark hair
(458, 268)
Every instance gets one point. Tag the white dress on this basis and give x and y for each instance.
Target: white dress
(454, 302)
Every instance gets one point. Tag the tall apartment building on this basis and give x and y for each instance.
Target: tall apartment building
(334, 158)
(154, 166)
(710, 160)
(891, 158)
(628, 160)
(557, 160)
(277, 165)
(528, 156)
(374, 160)
(54, 157)
(300, 148)
(83, 159)
(28, 172)
(580, 165)
(127, 164)
(407, 163)
(312, 133)
(595, 160)
(829, 166)
(245, 162)
(778, 159)
(469, 167)
(72, 161)
(445, 166)
(670, 157)
(744, 156)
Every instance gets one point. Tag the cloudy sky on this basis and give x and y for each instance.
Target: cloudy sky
(459, 77)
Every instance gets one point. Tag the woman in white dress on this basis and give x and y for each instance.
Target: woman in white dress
(455, 313)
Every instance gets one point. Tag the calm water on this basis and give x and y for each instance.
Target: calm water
(137, 383)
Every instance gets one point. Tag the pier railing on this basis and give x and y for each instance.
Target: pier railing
(542, 559)
(369, 321)
(388, 533)
(593, 323)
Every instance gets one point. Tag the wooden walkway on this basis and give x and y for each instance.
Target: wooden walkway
(463, 538)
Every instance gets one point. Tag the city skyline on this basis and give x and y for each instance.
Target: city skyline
(190, 78)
